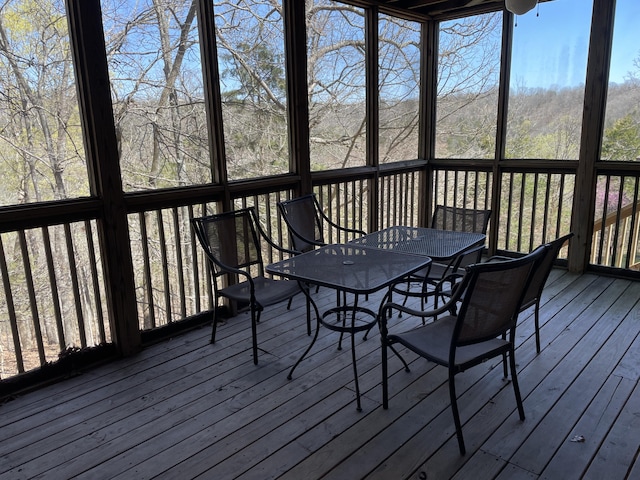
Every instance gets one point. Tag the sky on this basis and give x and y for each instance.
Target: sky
(552, 40)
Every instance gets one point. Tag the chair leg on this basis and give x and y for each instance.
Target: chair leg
(355, 371)
(406, 365)
(254, 333)
(308, 316)
(537, 325)
(406, 297)
(213, 327)
(366, 333)
(514, 381)
(505, 372)
(214, 324)
(342, 315)
(385, 381)
(456, 413)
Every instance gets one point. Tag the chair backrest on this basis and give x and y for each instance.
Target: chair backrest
(457, 265)
(231, 241)
(493, 293)
(303, 222)
(539, 277)
(460, 219)
(470, 256)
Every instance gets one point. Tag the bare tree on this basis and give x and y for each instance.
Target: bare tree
(41, 156)
(39, 126)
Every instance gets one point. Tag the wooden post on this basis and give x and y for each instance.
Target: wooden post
(213, 99)
(501, 131)
(595, 98)
(101, 147)
(427, 130)
(372, 115)
(295, 45)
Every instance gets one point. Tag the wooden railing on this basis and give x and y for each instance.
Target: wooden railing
(616, 235)
(53, 284)
(53, 291)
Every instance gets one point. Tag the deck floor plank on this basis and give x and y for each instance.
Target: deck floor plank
(593, 427)
(616, 456)
(536, 451)
(184, 408)
(545, 379)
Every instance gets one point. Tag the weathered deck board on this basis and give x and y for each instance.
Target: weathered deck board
(184, 408)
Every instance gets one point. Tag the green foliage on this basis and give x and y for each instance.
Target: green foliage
(622, 140)
(258, 71)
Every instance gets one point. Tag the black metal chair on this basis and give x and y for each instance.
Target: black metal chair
(484, 327)
(534, 292)
(232, 243)
(460, 219)
(430, 279)
(307, 223)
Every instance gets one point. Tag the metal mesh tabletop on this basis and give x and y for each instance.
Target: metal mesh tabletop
(437, 244)
(350, 268)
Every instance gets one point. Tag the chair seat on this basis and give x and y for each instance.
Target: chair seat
(267, 291)
(437, 271)
(432, 272)
(433, 342)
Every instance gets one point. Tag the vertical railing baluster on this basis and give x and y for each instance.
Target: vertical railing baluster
(534, 210)
(195, 269)
(605, 207)
(11, 310)
(360, 215)
(386, 215)
(165, 267)
(436, 191)
(208, 272)
(35, 315)
(55, 298)
(509, 215)
(95, 281)
(177, 235)
(616, 229)
(547, 206)
(150, 320)
(521, 216)
(633, 234)
(560, 203)
(73, 273)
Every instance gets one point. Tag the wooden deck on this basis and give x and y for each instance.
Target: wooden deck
(184, 408)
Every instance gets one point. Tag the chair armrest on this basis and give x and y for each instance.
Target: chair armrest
(226, 269)
(268, 239)
(449, 305)
(499, 258)
(388, 307)
(281, 248)
(340, 227)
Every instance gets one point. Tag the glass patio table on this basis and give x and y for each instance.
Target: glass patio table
(347, 268)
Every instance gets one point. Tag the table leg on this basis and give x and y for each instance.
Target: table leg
(355, 370)
(342, 311)
(315, 335)
(353, 352)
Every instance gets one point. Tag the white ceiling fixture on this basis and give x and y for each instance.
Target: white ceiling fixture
(520, 7)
